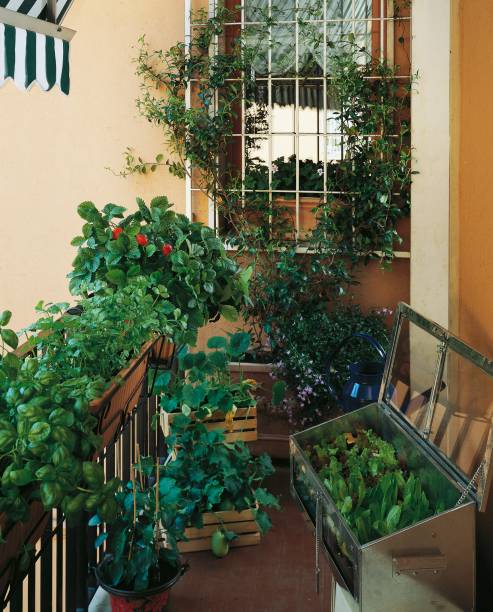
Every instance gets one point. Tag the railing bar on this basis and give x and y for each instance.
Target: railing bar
(59, 562)
(46, 561)
(31, 587)
(16, 598)
(70, 570)
(82, 563)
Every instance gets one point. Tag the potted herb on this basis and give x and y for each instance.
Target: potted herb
(142, 562)
(109, 342)
(54, 403)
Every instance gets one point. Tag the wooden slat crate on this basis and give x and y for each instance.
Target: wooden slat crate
(242, 523)
(243, 426)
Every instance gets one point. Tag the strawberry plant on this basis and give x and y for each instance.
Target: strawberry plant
(185, 260)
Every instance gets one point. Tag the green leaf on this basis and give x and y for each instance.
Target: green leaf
(9, 337)
(265, 498)
(263, 521)
(77, 241)
(218, 359)
(11, 365)
(88, 211)
(239, 343)
(100, 539)
(393, 518)
(39, 431)
(217, 342)
(94, 521)
(278, 392)
(5, 317)
(194, 396)
(150, 250)
(229, 313)
(117, 277)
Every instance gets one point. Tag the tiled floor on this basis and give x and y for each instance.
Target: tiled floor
(278, 575)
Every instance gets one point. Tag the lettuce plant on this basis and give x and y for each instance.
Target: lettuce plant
(375, 491)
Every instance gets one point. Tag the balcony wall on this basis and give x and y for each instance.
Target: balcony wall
(55, 148)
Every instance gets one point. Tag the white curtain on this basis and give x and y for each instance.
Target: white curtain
(311, 41)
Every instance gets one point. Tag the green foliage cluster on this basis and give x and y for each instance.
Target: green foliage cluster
(305, 365)
(375, 491)
(217, 475)
(195, 280)
(72, 355)
(142, 539)
(284, 177)
(47, 436)
(204, 383)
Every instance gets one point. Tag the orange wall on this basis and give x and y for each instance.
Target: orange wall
(472, 206)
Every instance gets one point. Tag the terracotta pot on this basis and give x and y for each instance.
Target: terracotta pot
(307, 218)
(17, 535)
(273, 429)
(123, 395)
(151, 600)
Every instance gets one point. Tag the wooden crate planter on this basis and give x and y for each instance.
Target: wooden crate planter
(120, 399)
(243, 426)
(273, 429)
(242, 523)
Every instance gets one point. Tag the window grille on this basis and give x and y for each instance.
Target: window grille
(292, 76)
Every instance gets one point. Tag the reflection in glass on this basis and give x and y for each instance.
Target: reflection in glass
(311, 106)
(463, 415)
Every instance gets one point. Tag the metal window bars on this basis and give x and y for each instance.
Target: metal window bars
(370, 21)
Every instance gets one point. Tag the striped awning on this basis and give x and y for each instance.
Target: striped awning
(37, 8)
(34, 50)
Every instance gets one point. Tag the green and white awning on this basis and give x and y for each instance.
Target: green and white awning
(33, 50)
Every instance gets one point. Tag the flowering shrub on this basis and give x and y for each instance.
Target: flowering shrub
(303, 364)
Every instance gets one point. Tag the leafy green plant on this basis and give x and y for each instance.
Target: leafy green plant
(47, 436)
(215, 475)
(142, 539)
(108, 330)
(375, 490)
(46, 427)
(185, 263)
(284, 176)
(204, 384)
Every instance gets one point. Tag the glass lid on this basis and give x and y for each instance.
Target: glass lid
(444, 389)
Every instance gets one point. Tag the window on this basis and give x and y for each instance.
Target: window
(288, 135)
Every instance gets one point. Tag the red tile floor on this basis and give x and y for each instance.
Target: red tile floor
(276, 576)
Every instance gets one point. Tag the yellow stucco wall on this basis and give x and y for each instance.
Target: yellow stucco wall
(54, 148)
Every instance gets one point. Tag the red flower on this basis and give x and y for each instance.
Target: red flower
(166, 250)
(141, 240)
(116, 232)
